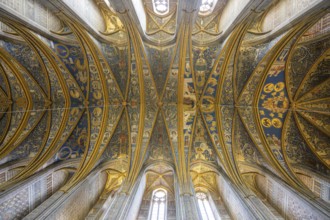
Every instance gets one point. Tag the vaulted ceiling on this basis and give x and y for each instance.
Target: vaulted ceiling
(185, 89)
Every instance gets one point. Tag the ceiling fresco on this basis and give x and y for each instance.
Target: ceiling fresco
(194, 102)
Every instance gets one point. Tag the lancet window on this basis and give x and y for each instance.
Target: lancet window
(158, 205)
(204, 206)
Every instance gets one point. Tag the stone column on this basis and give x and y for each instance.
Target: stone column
(240, 204)
(126, 205)
(102, 206)
(187, 207)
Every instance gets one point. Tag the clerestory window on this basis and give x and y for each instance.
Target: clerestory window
(207, 7)
(158, 205)
(204, 206)
(161, 7)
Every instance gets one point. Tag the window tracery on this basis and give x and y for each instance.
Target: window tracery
(207, 7)
(158, 205)
(161, 7)
(204, 206)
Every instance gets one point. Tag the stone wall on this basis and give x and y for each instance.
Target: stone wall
(284, 11)
(285, 201)
(34, 11)
(316, 183)
(78, 204)
(88, 11)
(231, 11)
(22, 199)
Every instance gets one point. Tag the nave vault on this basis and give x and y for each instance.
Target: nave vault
(102, 103)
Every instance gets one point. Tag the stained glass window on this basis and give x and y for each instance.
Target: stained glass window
(158, 205)
(204, 206)
(207, 6)
(161, 7)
